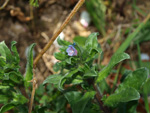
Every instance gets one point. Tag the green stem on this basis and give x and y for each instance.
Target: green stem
(139, 54)
(116, 78)
(98, 97)
(146, 103)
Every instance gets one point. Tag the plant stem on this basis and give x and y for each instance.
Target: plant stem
(139, 54)
(4, 5)
(98, 98)
(73, 12)
(116, 78)
(33, 93)
(32, 17)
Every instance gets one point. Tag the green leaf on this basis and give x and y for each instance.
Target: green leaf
(135, 79)
(68, 60)
(80, 40)
(2, 61)
(78, 101)
(63, 42)
(15, 52)
(77, 81)
(129, 107)
(91, 41)
(93, 53)
(57, 67)
(7, 107)
(19, 99)
(65, 77)
(125, 95)
(15, 77)
(145, 92)
(146, 89)
(104, 87)
(92, 48)
(22, 109)
(3, 99)
(4, 87)
(90, 73)
(29, 66)
(60, 103)
(5, 52)
(40, 90)
(53, 79)
(60, 56)
(128, 90)
(116, 58)
(6, 76)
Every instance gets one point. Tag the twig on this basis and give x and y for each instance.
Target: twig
(33, 92)
(32, 17)
(98, 98)
(4, 5)
(73, 12)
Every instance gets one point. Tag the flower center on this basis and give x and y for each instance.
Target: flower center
(71, 51)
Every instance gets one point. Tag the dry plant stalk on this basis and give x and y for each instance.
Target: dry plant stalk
(34, 85)
(32, 95)
(73, 12)
(4, 5)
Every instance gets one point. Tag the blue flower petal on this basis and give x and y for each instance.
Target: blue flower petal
(71, 51)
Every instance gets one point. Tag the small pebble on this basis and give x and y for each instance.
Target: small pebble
(62, 36)
(85, 19)
(145, 56)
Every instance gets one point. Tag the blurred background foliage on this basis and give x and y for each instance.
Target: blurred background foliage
(97, 10)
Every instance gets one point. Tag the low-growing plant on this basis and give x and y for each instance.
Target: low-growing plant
(12, 82)
(81, 81)
(15, 88)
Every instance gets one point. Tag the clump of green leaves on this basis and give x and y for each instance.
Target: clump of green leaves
(11, 79)
(15, 88)
(80, 74)
(75, 78)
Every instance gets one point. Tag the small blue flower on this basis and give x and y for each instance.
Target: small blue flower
(71, 51)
